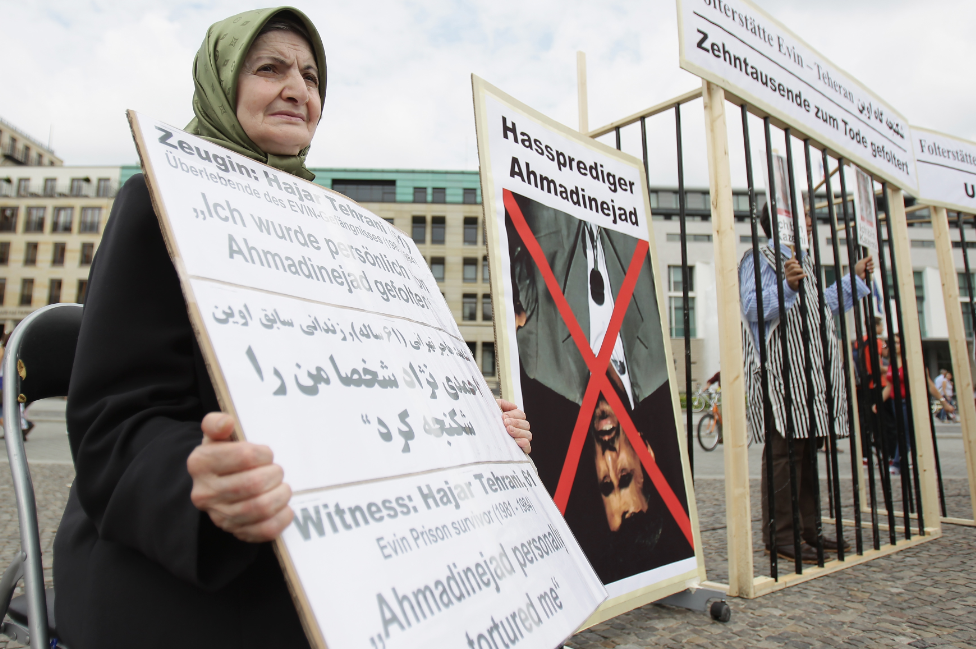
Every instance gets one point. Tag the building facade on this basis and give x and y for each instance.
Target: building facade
(18, 149)
(52, 218)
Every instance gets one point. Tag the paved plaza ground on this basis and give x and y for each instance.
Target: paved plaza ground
(921, 597)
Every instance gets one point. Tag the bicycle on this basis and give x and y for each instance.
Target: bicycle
(710, 425)
(702, 399)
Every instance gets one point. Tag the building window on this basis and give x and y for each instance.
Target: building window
(8, 219)
(472, 347)
(437, 268)
(921, 243)
(485, 272)
(35, 219)
(57, 258)
(740, 202)
(26, 292)
(23, 186)
(54, 291)
(419, 232)
(486, 313)
(50, 186)
(87, 254)
(78, 186)
(666, 199)
(469, 307)
(920, 302)
(439, 195)
(4, 253)
(90, 219)
(437, 227)
(470, 270)
(419, 194)
(692, 238)
(388, 219)
(62, 219)
(747, 238)
(105, 188)
(82, 290)
(696, 200)
(471, 196)
(3, 290)
(30, 254)
(366, 191)
(488, 359)
(471, 230)
(676, 302)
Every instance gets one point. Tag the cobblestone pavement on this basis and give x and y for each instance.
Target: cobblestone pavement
(920, 597)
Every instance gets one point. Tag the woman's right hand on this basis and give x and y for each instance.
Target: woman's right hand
(238, 484)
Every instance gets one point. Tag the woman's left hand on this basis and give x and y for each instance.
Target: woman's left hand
(516, 424)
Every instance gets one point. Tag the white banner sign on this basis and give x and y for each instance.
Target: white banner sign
(583, 337)
(740, 47)
(946, 170)
(419, 522)
(866, 209)
(784, 207)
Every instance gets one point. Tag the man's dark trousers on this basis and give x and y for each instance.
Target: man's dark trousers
(807, 484)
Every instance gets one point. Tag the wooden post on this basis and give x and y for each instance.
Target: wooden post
(957, 344)
(912, 350)
(584, 119)
(738, 511)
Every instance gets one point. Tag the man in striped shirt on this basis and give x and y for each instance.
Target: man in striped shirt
(795, 272)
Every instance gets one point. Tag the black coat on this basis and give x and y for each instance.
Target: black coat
(135, 563)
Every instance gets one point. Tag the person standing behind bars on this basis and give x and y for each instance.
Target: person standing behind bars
(795, 271)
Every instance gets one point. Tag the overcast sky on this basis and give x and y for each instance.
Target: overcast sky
(399, 93)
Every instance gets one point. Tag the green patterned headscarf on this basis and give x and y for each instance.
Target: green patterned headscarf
(215, 70)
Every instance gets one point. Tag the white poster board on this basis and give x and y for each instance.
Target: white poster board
(737, 45)
(584, 346)
(866, 209)
(418, 521)
(946, 170)
(784, 207)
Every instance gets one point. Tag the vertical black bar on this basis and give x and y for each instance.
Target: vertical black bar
(685, 276)
(811, 440)
(852, 259)
(901, 328)
(768, 425)
(846, 351)
(829, 349)
(784, 337)
(647, 172)
(877, 397)
(969, 273)
(617, 131)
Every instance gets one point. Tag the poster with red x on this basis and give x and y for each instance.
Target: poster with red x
(583, 345)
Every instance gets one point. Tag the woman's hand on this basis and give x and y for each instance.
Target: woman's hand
(864, 268)
(516, 424)
(238, 484)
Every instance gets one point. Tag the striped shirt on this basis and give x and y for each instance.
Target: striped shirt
(796, 349)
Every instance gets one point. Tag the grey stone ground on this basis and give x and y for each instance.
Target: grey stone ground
(920, 597)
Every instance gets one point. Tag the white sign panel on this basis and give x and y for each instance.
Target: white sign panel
(946, 170)
(784, 207)
(584, 345)
(738, 46)
(419, 522)
(867, 214)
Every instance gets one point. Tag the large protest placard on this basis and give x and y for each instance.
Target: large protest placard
(946, 170)
(584, 347)
(418, 521)
(735, 44)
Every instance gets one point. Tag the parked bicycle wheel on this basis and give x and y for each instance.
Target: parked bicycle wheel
(709, 432)
(699, 402)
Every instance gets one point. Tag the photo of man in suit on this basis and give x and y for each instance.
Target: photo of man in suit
(614, 509)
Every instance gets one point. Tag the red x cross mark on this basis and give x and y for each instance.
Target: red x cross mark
(598, 383)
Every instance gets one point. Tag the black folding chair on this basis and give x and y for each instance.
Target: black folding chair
(37, 365)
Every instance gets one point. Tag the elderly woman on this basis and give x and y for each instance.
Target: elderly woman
(165, 538)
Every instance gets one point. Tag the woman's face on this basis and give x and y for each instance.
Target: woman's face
(278, 102)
